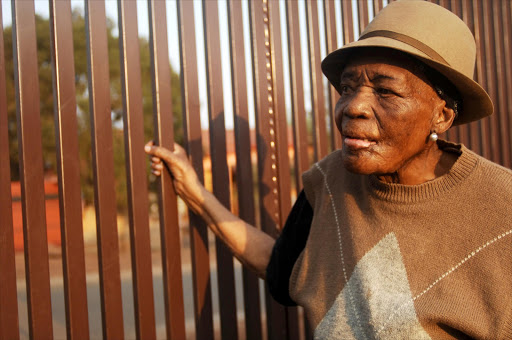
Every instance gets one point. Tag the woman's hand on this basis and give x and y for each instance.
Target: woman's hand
(186, 182)
(250, 245)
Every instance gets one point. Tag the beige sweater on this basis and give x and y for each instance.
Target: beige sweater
(390, 261)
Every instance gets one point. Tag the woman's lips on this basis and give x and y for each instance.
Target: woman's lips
(357, 143)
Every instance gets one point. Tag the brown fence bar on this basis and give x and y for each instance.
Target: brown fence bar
(474, 141)
(300, 133)
(332, 44)
(103, 170)
(68, 169)
(9, 311)
(460, 132)
(244, 176)
(501, 120)
(279, 136)
(451, 134)
(377, 6)
(31, 171)
(281, 126)
(136, 171)
(192, 129)
(348, 22)
(362, 10)
(490, 66)
(481, 75)
(317, 86)
(164, 136)
(506, 11)
(266, 145)
(220, 174)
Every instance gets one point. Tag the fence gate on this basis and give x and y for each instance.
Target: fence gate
(250, 105)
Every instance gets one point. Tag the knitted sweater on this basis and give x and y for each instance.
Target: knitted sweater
(390, 261)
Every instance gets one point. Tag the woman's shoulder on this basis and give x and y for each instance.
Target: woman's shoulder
(327, 172)
(491, 179)
(494, 171)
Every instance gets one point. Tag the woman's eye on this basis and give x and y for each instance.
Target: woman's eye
(344, 89)
(384, 91)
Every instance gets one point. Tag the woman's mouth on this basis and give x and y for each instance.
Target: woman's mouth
(357, 143)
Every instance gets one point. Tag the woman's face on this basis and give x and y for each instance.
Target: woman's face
(384, 114)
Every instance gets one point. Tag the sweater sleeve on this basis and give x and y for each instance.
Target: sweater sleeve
(287, 249)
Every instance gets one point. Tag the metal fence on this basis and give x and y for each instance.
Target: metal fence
(273, 92)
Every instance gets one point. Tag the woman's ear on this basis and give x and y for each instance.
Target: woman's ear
(443, 118)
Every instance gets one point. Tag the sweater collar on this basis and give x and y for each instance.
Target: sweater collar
(462, 168)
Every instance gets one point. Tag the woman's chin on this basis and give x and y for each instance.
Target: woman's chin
(358, 166)
(359, 163)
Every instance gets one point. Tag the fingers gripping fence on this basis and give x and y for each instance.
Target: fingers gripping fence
(239, 84)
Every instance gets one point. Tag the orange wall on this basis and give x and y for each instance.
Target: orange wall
(52, 213)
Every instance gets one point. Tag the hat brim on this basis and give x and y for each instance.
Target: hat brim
(476, 103)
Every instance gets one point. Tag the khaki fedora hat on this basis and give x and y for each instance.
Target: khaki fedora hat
(430, 33)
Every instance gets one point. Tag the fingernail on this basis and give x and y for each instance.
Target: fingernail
(147, 148)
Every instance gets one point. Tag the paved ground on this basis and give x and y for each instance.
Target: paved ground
(93, 295)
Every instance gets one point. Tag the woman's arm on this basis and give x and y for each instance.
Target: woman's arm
(248, 244)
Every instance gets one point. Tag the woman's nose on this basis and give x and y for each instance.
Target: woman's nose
(357, 105)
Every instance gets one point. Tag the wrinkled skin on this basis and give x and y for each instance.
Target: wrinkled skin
(385, 114)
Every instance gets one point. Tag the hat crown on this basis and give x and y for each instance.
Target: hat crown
(431, 34)
(429, 25)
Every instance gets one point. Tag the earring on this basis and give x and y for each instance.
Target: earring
(433, 136)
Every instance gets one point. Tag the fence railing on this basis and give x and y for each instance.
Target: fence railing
(284, 90)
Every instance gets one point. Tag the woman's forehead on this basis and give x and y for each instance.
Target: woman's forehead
(382, 65)
(373, 55)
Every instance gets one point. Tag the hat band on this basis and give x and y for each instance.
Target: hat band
(407, 40)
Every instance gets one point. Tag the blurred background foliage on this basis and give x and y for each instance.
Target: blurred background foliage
(82, 99)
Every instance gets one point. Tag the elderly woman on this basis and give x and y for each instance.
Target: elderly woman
(398, 235)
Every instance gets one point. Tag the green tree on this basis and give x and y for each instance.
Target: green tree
(47, 105)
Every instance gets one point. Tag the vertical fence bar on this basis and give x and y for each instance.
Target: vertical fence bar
(461, 133)
(192, 128)
(136, 171)
(244, 176)
(474, 142)
(506, 12)
(276, 89)
(348, 22)
(68, 169)
(103, 169)
(501, 118)
(31, 170)
(332, 43)
(220, 174)
(9, 328)
(300, 132)
(164, 135)
(267, 155)
(448, 135)
(453, 133)
(481, 61)
(445, 3)
(377, 6)
(362, 11)
(489, 70)
(317, 86)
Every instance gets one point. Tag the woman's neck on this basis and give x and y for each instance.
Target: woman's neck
(429, 165)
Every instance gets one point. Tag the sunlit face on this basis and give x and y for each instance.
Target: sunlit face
(385, 112)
